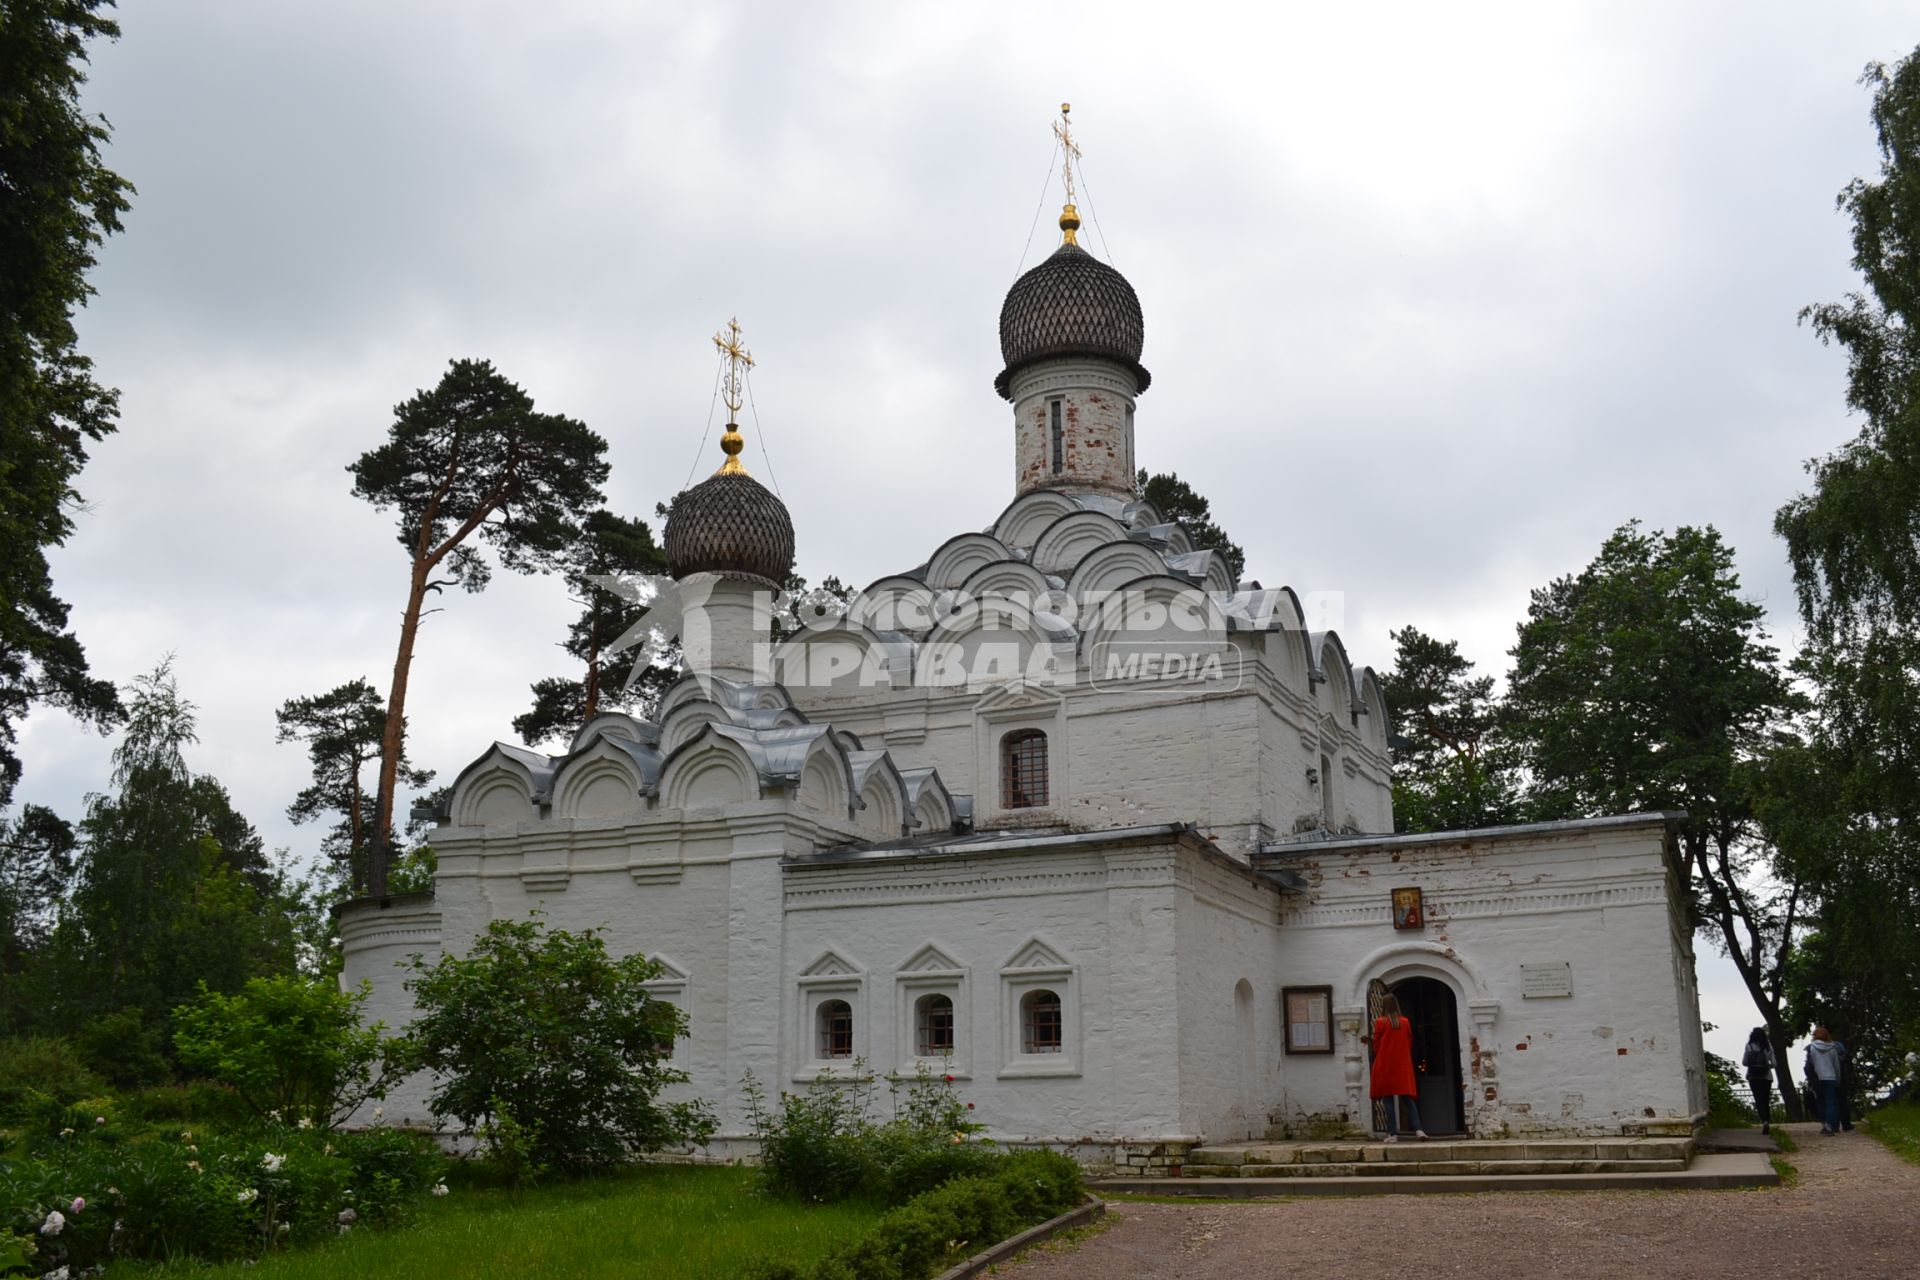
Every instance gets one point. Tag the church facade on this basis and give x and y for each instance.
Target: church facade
(1071, 814)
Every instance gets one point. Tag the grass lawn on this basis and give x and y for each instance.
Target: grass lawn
(667, 1221)
(1899, 1127)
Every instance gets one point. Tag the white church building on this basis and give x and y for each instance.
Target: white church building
(1069, 813)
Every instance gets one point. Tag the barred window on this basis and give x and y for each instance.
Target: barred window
(1059, 437)
(1040, 1022)
(933, 1021)
(835, 1020)
(1023, 770)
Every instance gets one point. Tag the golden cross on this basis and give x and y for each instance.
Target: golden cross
(728, 340)
(1063, 130)
(739, 359)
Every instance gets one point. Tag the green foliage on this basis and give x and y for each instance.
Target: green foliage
(293, 1048)
(1725, 1108)
(824, 1145)
(949, 1222)
(36, 866)
(58, 202)
(125, 1049)
(342, 729)
(1175, 499)
(1645, 682)
(172, 889)
(606, 545)
(467, 464)
(1898, 1125)
(1854, 543)
(543, 1031)
(35, 1067)
(1453, 770)
(208, 1195)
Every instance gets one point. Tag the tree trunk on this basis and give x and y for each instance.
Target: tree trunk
(392, 738)
(1782, 1042)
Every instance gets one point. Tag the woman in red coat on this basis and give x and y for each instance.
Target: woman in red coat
(1393, 1068)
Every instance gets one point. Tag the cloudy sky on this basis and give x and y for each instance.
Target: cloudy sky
(1436, 296)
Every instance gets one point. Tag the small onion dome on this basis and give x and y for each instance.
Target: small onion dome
(1072, 304)
(730, 524)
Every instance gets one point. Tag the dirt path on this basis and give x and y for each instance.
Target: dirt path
(1853, 1214)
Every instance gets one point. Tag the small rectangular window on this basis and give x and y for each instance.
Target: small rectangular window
(1055, 415)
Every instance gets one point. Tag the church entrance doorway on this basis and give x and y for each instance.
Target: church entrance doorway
(1428, 1003)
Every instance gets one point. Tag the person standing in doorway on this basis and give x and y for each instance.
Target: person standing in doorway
(1823, 1069)
(1759, 1063)
(1392, 1077)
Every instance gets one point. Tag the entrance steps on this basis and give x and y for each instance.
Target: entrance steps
(1440, 1157)
(1250, 1169)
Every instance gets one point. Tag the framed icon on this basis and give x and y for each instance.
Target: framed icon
(1308, 1013)
(1409, 911)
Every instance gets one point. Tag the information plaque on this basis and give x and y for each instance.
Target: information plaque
(1544, 981)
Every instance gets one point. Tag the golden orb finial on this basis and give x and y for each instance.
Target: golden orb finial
(739, 360)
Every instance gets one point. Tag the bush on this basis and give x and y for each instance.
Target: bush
(194, 1104)
(208, 1196)
(823, 1145)
(35, 1067)
(951, 1221)
(123, 1050)
(291, 1047)
(543, 1036)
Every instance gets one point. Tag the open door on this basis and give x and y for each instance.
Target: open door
(1376, 997)
(1429, 1005)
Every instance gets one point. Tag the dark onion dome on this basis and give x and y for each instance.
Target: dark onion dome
(730, 524)
(1072, 304)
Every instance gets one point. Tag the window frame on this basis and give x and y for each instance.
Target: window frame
(824, 1033)
(1030, 1011)
(1018, 739)
(846, 983)
(1057, 433)
(1046, 970)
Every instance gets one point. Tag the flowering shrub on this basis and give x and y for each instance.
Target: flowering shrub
(84, 1200)
(540, 1037)
(824, 1144)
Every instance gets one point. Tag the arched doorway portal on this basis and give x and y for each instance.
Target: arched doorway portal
(1429, 1005)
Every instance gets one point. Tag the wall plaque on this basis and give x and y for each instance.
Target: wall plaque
(1543, 981)
(1309, 1017)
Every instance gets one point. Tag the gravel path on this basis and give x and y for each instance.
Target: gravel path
(1856, 1213)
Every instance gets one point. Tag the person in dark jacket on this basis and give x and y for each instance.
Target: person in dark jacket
(1759, 1063)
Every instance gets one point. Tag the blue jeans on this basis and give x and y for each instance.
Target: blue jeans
(1393, 1112)
(1828, 1093)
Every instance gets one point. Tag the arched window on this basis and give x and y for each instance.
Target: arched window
(1023, 769)
(933, 1026)
(835, 1026)
(1040, 1022)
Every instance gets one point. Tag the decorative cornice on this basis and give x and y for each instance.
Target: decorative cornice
(1443, 906)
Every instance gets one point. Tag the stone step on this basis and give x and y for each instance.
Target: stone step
(1428, 1168)
(1475, 1150)
(1705, 1172)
